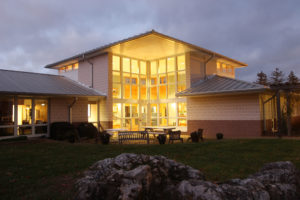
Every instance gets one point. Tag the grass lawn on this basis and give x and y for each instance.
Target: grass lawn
(47, 170)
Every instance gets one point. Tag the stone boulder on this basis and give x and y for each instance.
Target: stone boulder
(131, 176)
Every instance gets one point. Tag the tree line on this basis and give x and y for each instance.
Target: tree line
(277, 77)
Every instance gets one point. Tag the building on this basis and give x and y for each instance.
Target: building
(149, 79)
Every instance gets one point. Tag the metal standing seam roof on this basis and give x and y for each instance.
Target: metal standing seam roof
(18, 82)
(80, 55)
(218, 85)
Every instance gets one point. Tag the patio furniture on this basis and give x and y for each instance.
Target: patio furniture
(175, 135)
(196, 135)
(124, 136)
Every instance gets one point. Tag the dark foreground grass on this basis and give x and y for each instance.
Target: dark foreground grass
(48, 170)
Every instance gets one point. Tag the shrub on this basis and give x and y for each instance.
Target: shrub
(87, 130)
(14, 139)
(219, 136)
(64, 131)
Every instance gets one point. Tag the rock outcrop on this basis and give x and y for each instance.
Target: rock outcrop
(131, 176)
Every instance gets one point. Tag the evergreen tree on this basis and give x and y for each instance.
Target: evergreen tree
(277, 77)
(262, 78)
(292, 78)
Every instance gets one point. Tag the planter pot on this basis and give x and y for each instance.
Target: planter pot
(195, 137)
(104, 137)
(219, 136)
(162, 139)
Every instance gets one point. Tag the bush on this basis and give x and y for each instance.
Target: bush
(64, 131)
(14, 139)
(104, 137)
(87, 130)
(219, 136)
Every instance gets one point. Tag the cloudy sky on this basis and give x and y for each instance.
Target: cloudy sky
(263, 33)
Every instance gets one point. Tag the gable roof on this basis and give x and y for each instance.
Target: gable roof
(18, 82)
(102, 49)
(216, 84)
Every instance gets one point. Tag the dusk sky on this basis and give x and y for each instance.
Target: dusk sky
(265, 34)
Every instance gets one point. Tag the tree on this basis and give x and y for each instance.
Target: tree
(262, 78)
(277, 77)
(292, 79)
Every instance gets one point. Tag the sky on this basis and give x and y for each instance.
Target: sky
(265, 34)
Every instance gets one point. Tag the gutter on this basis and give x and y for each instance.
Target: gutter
(70, 109)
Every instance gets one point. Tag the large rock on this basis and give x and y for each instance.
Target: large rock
(131, 176)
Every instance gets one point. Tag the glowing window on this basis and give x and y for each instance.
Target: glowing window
(181, 109)
(116, 91)
(127, 110)
(153, 67)
(135, 110)
(181, 62)
(172, 109)
(41, 111)
(153, 80)
(172, 122)
(181, 76)
(75, 66)
(117, 110)
(218, 66)
(126, 64)
(154, 110)
(143, 92)
(182, 122)
(143, 67)
(171, 91)
(116, 77)
(134, 67)
(62, 69)
(162, 92)
(134, 92)
(127, 91)
(181, 87)
(171, 64)
(162, 79)
(163, 110)
(153, 94)
(162, 66)
(116, 63)
(69, 68)
(224, 67)
(143, 80)
(171, 78)
(92, 112)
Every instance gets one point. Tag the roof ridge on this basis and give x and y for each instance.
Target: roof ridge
(19, 71)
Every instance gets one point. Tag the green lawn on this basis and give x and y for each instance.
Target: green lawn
(47, 170)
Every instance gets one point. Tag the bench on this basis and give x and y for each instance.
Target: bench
(124, 136)
(175, 135)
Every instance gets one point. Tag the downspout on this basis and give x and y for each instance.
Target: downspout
(209, 59)
(70, 109)
(92, 65)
